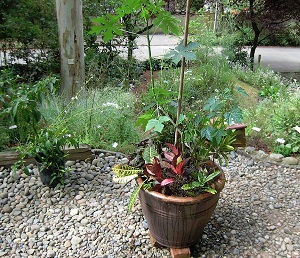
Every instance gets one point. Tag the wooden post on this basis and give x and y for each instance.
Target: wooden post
(259, 60)
(70, 30)
(240, 135)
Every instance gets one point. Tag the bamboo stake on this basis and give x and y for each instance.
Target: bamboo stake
(186, 32)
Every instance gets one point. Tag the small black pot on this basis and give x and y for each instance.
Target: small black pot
(46, 175)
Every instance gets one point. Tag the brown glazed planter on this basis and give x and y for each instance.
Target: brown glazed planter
(178, 222)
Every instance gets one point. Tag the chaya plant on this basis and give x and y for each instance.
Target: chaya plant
(185, 168)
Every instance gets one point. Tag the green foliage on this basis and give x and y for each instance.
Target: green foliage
(183, 51)
(26, 26)
(100, 117)
(286, 36)
(106, 67)
(271, 92)
(203, 34)
(277, 119)
(20, 102)
(109, 25)
(47, 146)
(270, 83)
(202, 181)
(205, 130)
(288, 149)
(158, 64)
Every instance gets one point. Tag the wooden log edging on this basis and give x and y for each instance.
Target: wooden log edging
(84, 152)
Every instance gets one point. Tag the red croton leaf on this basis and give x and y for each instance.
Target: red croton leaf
(176, 151)
(169, 156)
(154, 169)
(179, 168)
(167, 181)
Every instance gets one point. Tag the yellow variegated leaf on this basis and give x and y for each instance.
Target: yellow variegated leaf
(122, 170)
(124, 179)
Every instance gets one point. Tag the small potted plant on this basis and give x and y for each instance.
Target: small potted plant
(47, 146)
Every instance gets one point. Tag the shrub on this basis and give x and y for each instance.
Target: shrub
(100, 117)
(19, 112)
(277, 120)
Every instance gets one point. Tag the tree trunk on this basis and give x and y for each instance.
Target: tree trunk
(253, 48)
(70, 30)
(257, 32)
(170, 6)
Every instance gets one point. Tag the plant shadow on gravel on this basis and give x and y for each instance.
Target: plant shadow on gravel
(229, 232)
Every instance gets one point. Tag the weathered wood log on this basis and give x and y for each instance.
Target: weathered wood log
(8, 158)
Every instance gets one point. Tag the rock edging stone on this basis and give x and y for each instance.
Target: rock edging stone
(267, 159)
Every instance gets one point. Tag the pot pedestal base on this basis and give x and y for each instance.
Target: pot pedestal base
(175, 252)
(180, 253)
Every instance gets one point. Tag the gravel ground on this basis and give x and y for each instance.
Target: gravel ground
(258, 215)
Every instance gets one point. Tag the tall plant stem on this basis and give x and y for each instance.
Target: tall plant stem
(150, 56)
(180, 90)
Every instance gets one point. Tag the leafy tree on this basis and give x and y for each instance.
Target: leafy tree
(265, 17)
(133, 18)
(26, 26)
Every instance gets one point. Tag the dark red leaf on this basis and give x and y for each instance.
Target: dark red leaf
(173, 148)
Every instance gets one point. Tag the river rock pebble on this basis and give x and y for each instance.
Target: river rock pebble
(258, 214)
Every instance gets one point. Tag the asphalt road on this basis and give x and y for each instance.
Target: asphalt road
(279, 59)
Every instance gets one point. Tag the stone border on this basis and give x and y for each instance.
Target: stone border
(250, 152)
(269, 159)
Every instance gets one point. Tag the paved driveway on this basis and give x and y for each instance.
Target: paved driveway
(279, 59)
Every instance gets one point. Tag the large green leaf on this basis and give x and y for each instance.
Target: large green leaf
(108, 26)
(212, 104)
(219, 134)
(128, 7)
(144, 119)
(157, 124)
(149, 153)
(183, 51)
(235, 115)
(167, 23)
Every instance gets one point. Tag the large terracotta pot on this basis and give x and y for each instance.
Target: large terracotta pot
(178, 222)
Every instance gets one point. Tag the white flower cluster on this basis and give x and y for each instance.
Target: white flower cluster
(110, 104)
